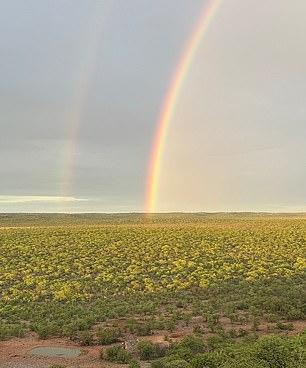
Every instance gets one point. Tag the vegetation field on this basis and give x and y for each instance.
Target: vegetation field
(192, 290)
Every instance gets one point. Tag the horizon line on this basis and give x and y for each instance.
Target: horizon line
(153, 213)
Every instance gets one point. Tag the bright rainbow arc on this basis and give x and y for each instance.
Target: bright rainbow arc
(170, 100)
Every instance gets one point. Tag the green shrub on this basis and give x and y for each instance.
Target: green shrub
(163, 362)
(271, 317)
(158, 324)
(134, 364)
(294, 314)
(198, 330)
(117, 354)
(147, 350)
(298, 350)
(214, 342)
(188, 347)
(70, 330)
(170, 325)
(86, 338)
(143, 329)
(11, 330)
(140, 329)
(194, 343)
(232, 333)
(179, 363)
(243, 362)
(203, 360)
(183, 352)
(284, 326)
(46, 329)
(107, 336)
(242, 332)
(274, 351)
(236, 356)
(83, 324)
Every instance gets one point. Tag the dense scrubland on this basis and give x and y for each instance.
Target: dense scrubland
(194, 290)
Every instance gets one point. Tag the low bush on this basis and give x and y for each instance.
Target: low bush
(46, 329)
(11, 330)
(179, 363)
(140, 329)
(188, 347)
(117, 354)
(164, 361)
(86, 338)
(206, 360)
(284, 326)
(134, 364)
(107, 336)
(274, 351)
(148, 351)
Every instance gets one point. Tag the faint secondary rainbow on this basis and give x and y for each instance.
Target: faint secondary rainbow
(83, 84)
(171, 98)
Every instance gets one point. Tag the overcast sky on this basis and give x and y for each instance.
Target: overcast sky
(82, 82)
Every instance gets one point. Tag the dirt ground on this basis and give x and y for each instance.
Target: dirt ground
(15, 353)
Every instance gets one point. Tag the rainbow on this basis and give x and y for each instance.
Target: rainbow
(170, 101)
(82, 89)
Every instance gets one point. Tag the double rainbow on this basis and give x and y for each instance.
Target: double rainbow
(167, 109)
(171, 99)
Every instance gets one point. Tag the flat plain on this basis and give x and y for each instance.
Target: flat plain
(150, 287)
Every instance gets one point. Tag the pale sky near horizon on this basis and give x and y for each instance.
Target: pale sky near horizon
(237, 138)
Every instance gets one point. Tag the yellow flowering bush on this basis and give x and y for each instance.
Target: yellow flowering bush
(82, 262)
